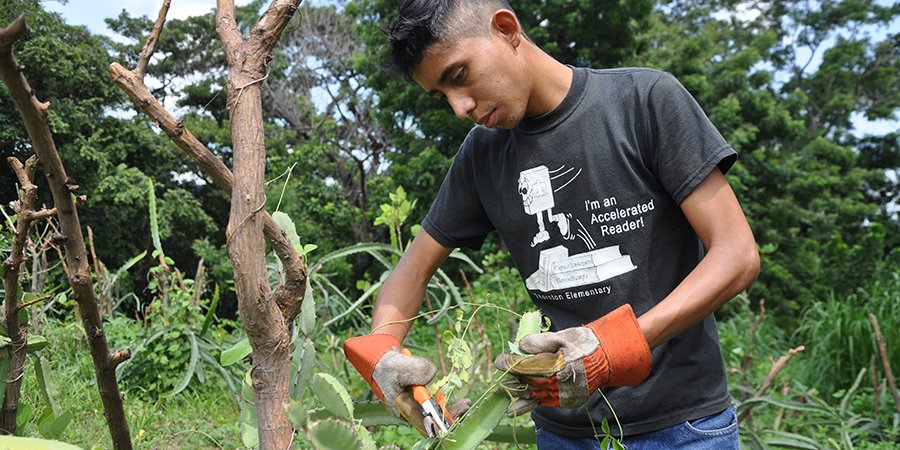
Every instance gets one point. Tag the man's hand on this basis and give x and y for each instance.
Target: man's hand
(377, 358)
(611, 351)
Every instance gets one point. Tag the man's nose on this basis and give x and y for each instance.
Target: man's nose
(462, 105)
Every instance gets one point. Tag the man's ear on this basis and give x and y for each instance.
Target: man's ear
(507, 25)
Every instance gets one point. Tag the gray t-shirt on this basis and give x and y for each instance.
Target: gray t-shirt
(586, 197)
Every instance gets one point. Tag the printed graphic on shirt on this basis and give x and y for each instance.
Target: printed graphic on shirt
(557, 269)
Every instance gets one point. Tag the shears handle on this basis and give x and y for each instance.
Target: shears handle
(420, 393)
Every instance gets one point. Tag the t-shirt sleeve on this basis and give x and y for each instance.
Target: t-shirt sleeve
(684, 145)
(457, 217)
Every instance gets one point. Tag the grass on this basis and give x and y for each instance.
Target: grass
(203, 417)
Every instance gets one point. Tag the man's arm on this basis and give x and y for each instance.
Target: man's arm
(401, 295)
(731, 262)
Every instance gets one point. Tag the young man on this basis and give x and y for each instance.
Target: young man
(607, 186)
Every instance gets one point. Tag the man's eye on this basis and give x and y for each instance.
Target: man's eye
(459, 76)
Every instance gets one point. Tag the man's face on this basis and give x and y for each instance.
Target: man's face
(482, 78)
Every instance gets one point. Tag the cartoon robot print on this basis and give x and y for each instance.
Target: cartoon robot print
(557, 269)
(537, 196)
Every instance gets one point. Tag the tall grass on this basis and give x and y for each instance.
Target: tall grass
(839, 336)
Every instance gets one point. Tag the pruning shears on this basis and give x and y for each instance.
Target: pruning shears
(433, 415)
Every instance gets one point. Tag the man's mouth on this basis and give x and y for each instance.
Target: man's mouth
(488, 119)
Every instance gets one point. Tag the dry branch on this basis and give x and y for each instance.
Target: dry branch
(34, 114)
(882, 348)
(18, 333)
(150, 46)
(267, 329)
(290, 295)
(777, 367)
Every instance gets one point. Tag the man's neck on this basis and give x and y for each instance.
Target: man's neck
(551, 81)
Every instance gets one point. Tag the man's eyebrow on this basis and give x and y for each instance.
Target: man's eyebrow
(444, 75)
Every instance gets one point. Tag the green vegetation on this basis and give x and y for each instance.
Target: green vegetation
(352, 178)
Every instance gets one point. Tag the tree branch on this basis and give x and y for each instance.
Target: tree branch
(777, 367)
(34, 114)
(152, 40)
(226, 26)
(290, 295)
(18, 332)
(882, 348)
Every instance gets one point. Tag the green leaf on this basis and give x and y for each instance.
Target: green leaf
(792, 440)
(368, 413)
(604, 444)
(333, 435)
(211, 312)
(477, 423)
(22, 443)
(304, 358)
(365, 438)
(308, 311)
(298, 414)
(51, 426)
(4, 373)
(24, 315)
(154, 222)
(192, 365)
(333, 395)
(35, 343)
(249, 421)
(45, 383)
(617, 445)
(605, 426)
(237, 352)
(529, 323)
(284, 221)
(24, 414)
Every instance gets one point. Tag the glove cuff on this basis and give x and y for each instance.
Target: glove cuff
(364, 352)
(624, 345)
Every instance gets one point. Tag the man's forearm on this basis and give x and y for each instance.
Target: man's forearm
(401, 296)
(730, 265)
(721, 275)
(396, 306)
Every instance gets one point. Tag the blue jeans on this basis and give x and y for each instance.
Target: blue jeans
(716, 432)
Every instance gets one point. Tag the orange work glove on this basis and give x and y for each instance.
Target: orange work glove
(610, 351)
(377, 358)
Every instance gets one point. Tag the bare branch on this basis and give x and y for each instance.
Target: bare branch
(11, 34)
(882, 348)
(150, 46)
(289, 300)
(268, 30)
(226, 26)
(777, 367)
(34, 115)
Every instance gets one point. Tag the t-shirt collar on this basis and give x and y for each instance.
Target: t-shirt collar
(548, 120)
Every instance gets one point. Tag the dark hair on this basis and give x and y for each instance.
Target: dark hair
(417, 26)
(421, 23)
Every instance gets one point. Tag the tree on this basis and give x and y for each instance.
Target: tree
(36, 118)
(816, 195)
(267, 316)
(102, 150)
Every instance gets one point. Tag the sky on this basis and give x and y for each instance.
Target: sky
(91, 13)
